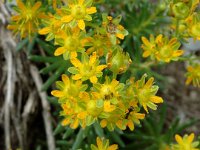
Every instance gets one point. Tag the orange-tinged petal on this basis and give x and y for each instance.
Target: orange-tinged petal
(156, 99)
(44, 31)
(114, 83)
(59, 51)
(65, 122)
(178, 139)
(188, 81)
(67, 19)
(149, 83)
(77, 77)
(145, 41)
(99, 143)
(139, 115)
(82, 115)
(65, 79)
(178, 53)
(130, 125)
(93, 79)
(91, 10)
(81, 24)
(80, 2)
(145, 107)
(36, 6)
(190, 68)
(15, 18)
(57, 93)
(146, 54)
(73, 55)
(103, 123)
(119, 35)
(191, 137)
(74, 125)
(159, 38)
(113, 147)
(100, 68)
(76, 62)
(93, 58)
(108, 107)
(21, 5)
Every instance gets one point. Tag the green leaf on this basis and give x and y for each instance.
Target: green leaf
(99, 103)
(21, 44)
(73, 70)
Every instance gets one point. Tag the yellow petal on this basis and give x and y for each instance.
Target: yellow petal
(188, 81)
(149, 83)
(159, 38)
(130, 125)
(178, 139)
(99, 142)
(103, 123)
(190, 68)
(59, 51)
(139, 115)
(114, 83)
(145, 107)
(100, 68)
(113, 147)
(21, 5)
(108, 107)
(93, 79)
(67, 19)
(82, 115)
(91, 10)
(191, 137)
(15, 18)
(77, 77)
(146, 54)
(36, 6)
(81, 24)
(76, 62)
(65, 79)
(44, 31)
(119, 35)
(145, 41)
(156, 99)
(65, 122)
(73, 55)
(80, 2)
(93, 59)
(178, 53)
(74, 125)
(57, 93)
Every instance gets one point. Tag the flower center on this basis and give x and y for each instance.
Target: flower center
(166, 52)
(78, 12)
(71, 44)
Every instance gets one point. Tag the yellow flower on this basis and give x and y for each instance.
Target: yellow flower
(87, 68)
(68, 89)
(113, 29)
(98, 43)
(103, 144)
(52, 27)
(71, 42)
(193, 75)
(145, 93)
(109, 90)
(77, 11)
(162, 49)
(27, 20)
(185, 143)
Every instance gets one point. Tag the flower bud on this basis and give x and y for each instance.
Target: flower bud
(180, 10)
(118, 62)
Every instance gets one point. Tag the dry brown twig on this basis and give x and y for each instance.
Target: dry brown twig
(13, 104)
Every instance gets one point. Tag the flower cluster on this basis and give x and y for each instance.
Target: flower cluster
(185, 143)
(87, 94)
(161, 48)
(185, 19)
